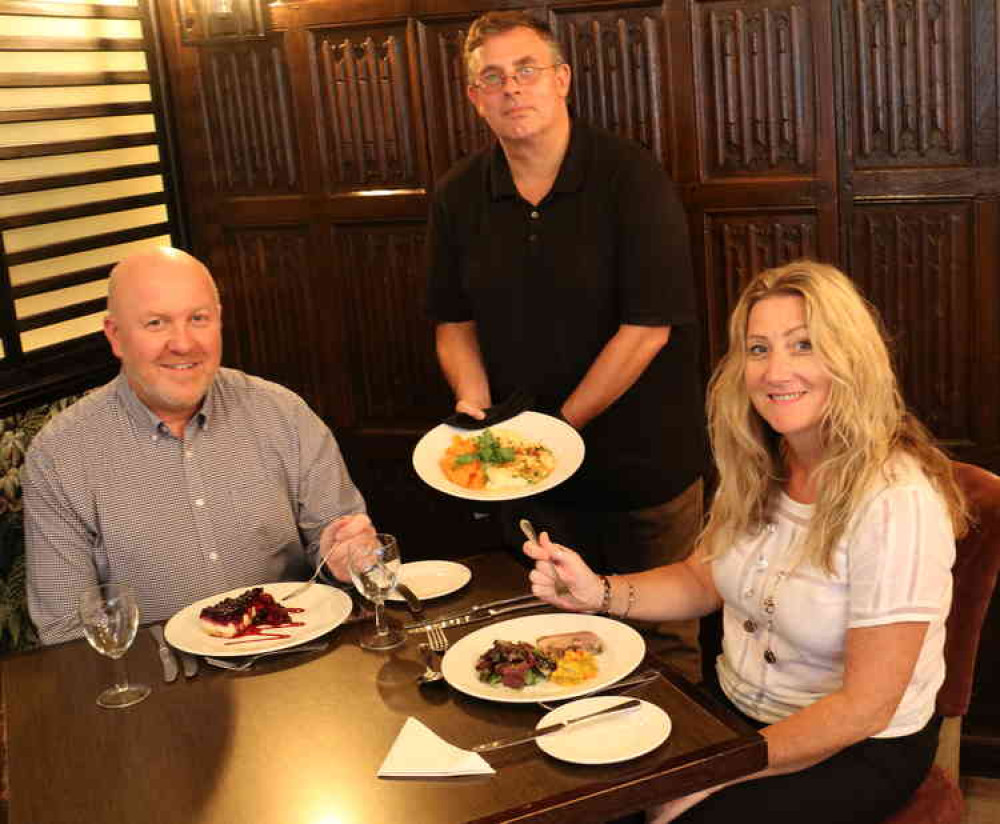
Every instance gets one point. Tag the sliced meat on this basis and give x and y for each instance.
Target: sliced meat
(556, 645)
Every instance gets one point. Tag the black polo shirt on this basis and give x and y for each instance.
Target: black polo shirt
(549, 285)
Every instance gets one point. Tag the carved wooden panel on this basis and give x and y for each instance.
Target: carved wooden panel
(738, 246)
(270, 317)
(913, 261)
(247, 118)
(617, 62)
(456, 131)
(756, 79)
(367, 114)
(911, 96)
(388, 339)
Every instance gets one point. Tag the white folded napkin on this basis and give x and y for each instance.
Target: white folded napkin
(418, 751)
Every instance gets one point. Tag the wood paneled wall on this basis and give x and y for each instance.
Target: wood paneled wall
(862, 132)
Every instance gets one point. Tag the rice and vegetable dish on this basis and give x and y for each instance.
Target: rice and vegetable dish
(496, 459)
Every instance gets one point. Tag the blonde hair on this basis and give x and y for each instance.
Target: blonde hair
(864, 424)
(500, 22)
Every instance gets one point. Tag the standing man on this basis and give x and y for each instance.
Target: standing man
(559, 263)
(179, 477)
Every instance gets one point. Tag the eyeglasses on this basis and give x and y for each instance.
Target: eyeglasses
(492, 82)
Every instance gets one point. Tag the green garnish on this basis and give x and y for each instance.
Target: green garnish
(488, 450)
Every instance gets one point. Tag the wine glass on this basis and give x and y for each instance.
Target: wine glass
(110, 617)
(374, 565)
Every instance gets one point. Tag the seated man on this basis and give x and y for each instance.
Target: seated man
(179, 477)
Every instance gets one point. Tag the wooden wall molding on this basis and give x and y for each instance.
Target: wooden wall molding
(912, 88)
(617, 59)
(246, 118)
(911, 261)
(389, 339)
(757, 72)
(367, 114)
(272, 311)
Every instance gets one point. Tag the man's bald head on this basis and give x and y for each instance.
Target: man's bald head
(160, 261)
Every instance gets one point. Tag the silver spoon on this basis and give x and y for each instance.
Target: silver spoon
(529, 532)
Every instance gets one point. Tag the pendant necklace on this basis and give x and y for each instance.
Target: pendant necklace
(769, 605)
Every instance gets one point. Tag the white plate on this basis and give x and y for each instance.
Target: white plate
(324, 608)
(606, 740)
(624, 648)
(564, 441)
(432, 579)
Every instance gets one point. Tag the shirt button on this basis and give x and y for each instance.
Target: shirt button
(154, 438)
(190, 453)
(532, 238)
(199, 501)
(535, 215)
(213, 556)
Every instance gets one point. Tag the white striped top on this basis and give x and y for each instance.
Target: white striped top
(894, 565)
(111, 495)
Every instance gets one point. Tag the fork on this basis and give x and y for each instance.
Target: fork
(431, 674)
(306, 584)
(437, 640)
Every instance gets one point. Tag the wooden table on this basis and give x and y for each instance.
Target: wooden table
(298, 740)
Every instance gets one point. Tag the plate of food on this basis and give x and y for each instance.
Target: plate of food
(249, 620)
(521, 456)
(608, 739)
(431, 579)
(543, 657)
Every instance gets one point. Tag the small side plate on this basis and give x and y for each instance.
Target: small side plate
(607, 740)
(432, 579)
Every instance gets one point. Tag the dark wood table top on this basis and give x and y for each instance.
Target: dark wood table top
(300, 738)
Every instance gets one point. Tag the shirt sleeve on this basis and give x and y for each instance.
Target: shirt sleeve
(326, 491)
(447, 301)
(900, 559)
(58, 550)
(654, 255)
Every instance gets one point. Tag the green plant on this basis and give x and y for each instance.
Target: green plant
(17, 632)
(16, 629)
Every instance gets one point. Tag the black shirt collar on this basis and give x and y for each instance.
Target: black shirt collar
(572, 171)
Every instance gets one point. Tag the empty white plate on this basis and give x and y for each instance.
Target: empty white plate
(432, 579)
(605, 739)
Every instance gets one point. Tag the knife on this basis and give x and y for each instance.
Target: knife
(167, 658)
(471, 617)
(190, 664)
(412, 601)
(548, 729)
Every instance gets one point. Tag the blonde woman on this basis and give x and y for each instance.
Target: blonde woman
(829, 547)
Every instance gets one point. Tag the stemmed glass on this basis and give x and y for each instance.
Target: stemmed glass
(110, 617)
(374, 565)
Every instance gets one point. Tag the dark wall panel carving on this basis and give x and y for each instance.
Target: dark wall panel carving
(617, 60)
(269, 308)
(455, 130)
(247, 118)
(913, 263)
(911, 95)
(367, 114)
(737, 247)
(389, 341)
(755, 64)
